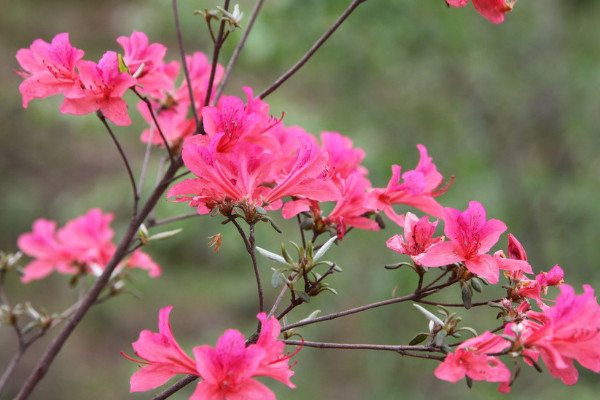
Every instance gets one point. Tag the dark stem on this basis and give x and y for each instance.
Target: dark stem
(180, 384)
(215, 59)
(154, 222)
(312, 50)
(411, 297)
(136, 198)
(404, 350)
(186, 72)
(149, 106)
(55, 346)
(249, 242)
(238, 50)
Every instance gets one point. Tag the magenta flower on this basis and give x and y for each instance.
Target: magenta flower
(228, 369)
(162, 358)
(418, 189)
(83, 245)
(275, 364)
(517, 258)
(493, 10)
(471, 359)
(567, 332)
(418, 237)
(49, 68)
(102, 89)
(152, 77)
(471, 237)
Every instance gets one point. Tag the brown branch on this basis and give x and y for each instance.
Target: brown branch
(312, 50)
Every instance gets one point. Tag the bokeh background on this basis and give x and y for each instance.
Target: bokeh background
(511, 110)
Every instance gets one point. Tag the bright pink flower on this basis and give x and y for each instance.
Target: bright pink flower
(227, 370)
(418, 189)
(199, 71)
(471, 237)
(471, 359)
(49, 68)
(49, 254)
(418, 237)
(240, 123)
(161, 355)
(245, 175)
(567, 332)
(102, 89)
(152, 78)
(275, 364)
(517, 258)
(83, 245)
(343, 158)
(493, 10)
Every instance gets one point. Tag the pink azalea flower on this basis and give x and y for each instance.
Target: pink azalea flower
(471, 237)
(162, 358)
(493, 10)
(275, 364)
(199, 71)
(517, 258)
(49, 254)
(227, 370)
(102, 89)
(418, 237)
(471, 359)
(49, 68)
(152, 78)
(343, 158)
(244, 175)
(173, 122)
(83, 245)
(567, 332)
(418, 189)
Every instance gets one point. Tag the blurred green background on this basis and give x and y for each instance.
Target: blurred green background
(511, 110)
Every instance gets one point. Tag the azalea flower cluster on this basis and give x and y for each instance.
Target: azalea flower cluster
(493, 10)
(250, 160)
(226, 371)
(565, 332)
(84, 245)
(58, 68)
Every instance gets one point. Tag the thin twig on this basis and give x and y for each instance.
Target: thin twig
(312, 50)
(237, 50)
(218, 43)
(180, 384)
(164, 221)
(404, 350)
(251, 249)
(186, 72)
(136, 198)
(160, 132)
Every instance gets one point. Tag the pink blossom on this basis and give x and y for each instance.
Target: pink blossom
(162, 358)
(418, 237)
(471, 237)
(49, 68)
(493, 10)
(343, 158)
(418, 189)
(83, 245)
(173, 122)
(517, 258)
(471, 359)
(227, 370)
(275, 364)
(199, 71)
(152, 78)
(102, 89)
(567, 332)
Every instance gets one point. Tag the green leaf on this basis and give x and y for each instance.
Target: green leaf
(418, 339)
(324, 248)
(165, 235)
(303, 296)
(271, 256)
(122, 66)
(312, 316)
(430, 316)
(440, 338)
(277, 279)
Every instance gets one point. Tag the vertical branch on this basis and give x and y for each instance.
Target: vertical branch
(238, 50)
(160, 132)
(251, 249)
(215, 59)
(312, 50)
(136, 198)
(186, 72)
